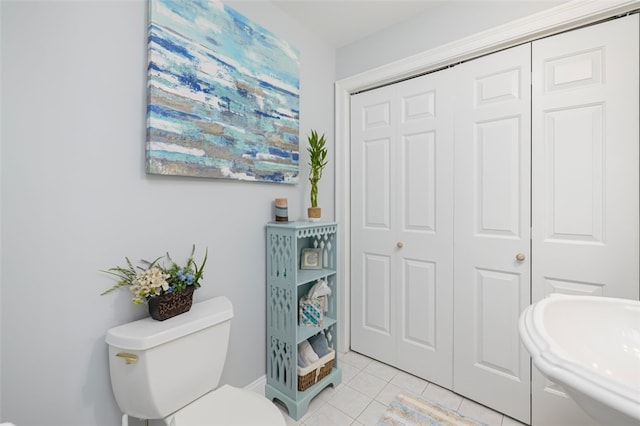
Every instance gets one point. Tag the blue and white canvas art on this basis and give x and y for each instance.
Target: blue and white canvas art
(223, 95)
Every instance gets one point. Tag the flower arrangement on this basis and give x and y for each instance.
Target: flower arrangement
(155, 279)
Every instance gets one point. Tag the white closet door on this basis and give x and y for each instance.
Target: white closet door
(492, 230)
(402, 238)
(585, 173)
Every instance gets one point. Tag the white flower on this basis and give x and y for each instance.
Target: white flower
(147, 283)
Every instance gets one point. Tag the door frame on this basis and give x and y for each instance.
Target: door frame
(561, 18)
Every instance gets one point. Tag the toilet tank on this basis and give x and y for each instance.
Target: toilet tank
(158, 367)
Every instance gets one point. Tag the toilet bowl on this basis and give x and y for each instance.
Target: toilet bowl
(228, 406)
(171, 369)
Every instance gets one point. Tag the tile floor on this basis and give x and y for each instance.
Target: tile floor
(368, 386)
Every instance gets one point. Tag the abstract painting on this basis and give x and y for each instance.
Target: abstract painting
(223, 95)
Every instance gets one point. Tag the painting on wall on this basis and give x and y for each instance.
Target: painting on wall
(223, 95)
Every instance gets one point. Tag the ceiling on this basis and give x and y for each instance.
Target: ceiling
(341, 22)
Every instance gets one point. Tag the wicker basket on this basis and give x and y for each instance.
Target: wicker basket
(169, 305)
(312, 374)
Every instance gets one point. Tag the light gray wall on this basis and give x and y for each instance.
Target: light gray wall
(448, 22)
(75, 199)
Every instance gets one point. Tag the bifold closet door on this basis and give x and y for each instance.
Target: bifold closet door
(492, 230)
(585, 174)
(402, 225)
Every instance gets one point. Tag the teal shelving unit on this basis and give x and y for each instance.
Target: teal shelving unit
(287, 283)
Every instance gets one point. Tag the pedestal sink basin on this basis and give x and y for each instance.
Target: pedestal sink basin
(590, 346)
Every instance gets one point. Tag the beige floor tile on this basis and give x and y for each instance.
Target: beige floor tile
(388, 393)
(409, 382)
(383, 371)
(355, 359)
(367, 384)
(350, 401)
(348, 372)
(372, 413)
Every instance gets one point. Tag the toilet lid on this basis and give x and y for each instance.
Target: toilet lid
(229, 406)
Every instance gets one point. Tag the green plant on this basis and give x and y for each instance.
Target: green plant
(154, 279)
(317, 162)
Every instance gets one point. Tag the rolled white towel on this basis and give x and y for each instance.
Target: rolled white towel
(305, 351)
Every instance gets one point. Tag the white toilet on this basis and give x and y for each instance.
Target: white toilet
(170, 370)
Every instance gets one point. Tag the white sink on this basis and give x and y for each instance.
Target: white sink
(590, 346)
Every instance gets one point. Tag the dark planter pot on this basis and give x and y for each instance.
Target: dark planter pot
(169, 305)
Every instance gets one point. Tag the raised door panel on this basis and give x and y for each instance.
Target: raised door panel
(574, 175)
(496, 153)
(375, 294)
(492, 226)
(376, 205)
(419, 176)
(585, 177)
(496, 300)
(419, 304)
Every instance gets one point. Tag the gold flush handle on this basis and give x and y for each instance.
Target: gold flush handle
(128, 358)
(520, 257)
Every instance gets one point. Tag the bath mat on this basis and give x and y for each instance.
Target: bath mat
(410, 409)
